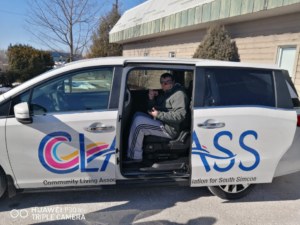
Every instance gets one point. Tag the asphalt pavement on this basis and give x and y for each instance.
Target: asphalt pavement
(276, 203)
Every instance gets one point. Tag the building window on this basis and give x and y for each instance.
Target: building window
(286, 58)
(172, 54)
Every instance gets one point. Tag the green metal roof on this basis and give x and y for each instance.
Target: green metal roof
(156, 16)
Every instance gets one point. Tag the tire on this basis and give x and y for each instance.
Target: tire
(3, 183)
(231, 192)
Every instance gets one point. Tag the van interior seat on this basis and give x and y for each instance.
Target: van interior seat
(159, 148)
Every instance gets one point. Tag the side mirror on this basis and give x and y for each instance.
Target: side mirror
(22, 113)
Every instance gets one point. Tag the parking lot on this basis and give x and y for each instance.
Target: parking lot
(276, 203)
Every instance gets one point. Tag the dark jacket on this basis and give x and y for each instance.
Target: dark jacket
(172, 107)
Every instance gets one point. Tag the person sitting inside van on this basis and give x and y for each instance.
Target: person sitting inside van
(166, 116)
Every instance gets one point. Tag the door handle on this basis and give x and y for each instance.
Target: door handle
(211, 124)
(99, 128)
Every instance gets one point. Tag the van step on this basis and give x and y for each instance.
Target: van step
(165, 167)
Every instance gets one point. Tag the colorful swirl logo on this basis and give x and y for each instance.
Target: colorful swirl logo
(52, 161)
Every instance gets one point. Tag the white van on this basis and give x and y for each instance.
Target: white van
(69, 127)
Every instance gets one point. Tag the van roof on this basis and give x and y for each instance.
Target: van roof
(120, 61)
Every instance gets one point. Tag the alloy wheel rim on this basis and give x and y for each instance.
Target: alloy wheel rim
(234, 189)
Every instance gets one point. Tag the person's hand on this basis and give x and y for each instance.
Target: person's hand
(152, 94)
(153, 112)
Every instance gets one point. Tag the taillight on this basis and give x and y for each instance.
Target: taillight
(298, 121)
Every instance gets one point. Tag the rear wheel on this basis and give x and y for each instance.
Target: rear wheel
(3, 183)
(231, 191)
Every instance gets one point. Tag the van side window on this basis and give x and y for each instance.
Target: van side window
(86, 90)
(230, 86)
(293, 95)
(143, 79)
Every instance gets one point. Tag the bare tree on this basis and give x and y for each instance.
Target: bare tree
(58, 23)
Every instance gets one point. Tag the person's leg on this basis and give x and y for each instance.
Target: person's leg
(141, 114)
(143, 125)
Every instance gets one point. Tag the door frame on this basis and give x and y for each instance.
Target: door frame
(126, 70)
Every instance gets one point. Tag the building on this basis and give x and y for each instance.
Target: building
(266, 31)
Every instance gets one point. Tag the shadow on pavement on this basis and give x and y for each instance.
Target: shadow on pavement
(133, 204)
(124, 206)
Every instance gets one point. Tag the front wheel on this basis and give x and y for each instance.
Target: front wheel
(231, 191)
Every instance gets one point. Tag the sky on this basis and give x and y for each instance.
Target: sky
(13, 21)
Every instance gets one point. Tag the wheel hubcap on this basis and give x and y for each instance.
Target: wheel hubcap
(234, 188)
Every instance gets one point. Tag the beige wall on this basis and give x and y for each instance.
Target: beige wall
(258, 41)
